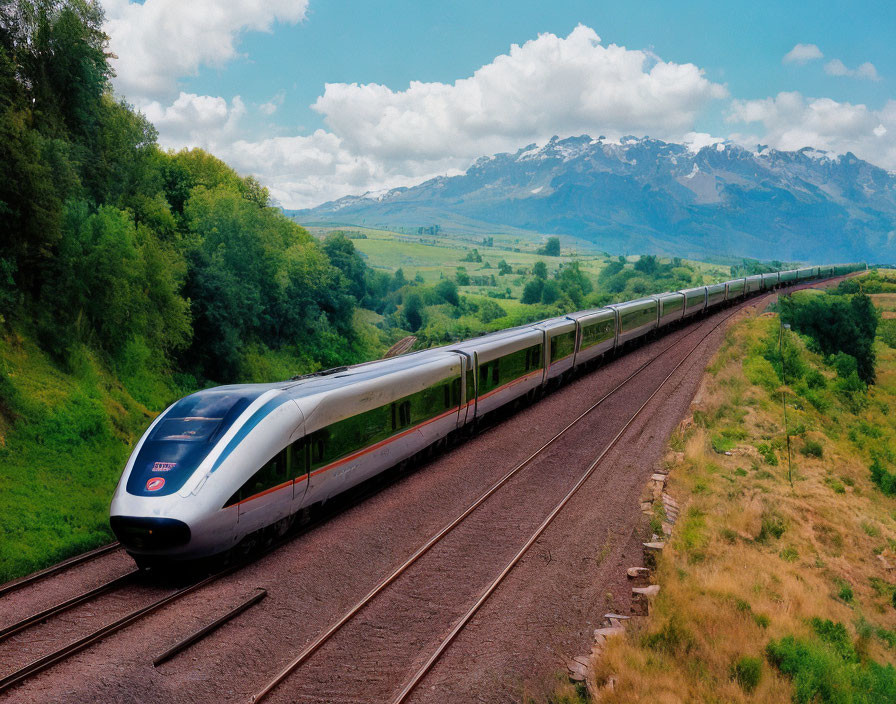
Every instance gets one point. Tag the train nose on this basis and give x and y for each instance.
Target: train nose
(147, 533)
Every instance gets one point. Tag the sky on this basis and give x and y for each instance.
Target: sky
(324, 98)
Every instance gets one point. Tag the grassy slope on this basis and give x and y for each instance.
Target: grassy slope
(64, 438)
(753, 560)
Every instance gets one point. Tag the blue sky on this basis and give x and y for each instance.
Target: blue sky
(242, 80)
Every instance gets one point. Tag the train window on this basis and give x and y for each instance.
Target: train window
(273, 473)
(471, 385)
(563, 345)
(597, 332)
(670, 305)
(401, 415)
(299, 451)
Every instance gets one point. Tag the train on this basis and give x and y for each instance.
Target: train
(229, 467)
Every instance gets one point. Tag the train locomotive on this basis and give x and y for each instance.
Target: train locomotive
(225, 466)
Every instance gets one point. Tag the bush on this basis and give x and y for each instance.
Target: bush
(811, 448)
(773, 526)
(747, 672)
(826, 669)
(885, 480)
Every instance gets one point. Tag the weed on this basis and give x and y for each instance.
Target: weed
(835, 484)
(885, 480)
(845, 591)
(870, 529)
(740, 472)
(672, 638)
(789, 554)
(747, 672)
(773, 526)
(761, 620)
(768, 454)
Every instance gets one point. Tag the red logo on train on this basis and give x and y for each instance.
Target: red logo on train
(155, 483)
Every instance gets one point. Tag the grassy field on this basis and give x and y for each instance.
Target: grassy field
(434, 256)
(774, 591)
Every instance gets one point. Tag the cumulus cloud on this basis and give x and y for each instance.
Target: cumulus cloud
(549, 85)
(160, 41)
(196, 120)
(867, 70)
(790, 121)
(802, 54)
(377, 137)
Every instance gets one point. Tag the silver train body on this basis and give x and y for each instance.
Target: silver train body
(223, 466)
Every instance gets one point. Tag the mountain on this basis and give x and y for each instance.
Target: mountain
(649, 196)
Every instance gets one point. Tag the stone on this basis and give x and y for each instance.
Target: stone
(651, 550)
(620, 616)
(634, 572)
(641, 597)
(658, 478)
(883, 561)
(609, 632)
(667, 528)
(577, 671)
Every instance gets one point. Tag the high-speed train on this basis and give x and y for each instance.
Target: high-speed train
(230, 465)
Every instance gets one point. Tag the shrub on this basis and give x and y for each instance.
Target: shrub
(773, 526)
(885, 480)
(811, 448)
(747, 672)
(789, 554)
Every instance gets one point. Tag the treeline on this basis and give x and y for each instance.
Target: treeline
(153, 258)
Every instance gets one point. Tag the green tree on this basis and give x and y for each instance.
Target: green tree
(504, 268)
(463, 278)
(413, 312)
(540, 270)
(446, 290)
(532, 291)
(551, 247)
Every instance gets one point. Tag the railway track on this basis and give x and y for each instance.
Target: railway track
(308, 652)
(17, 584)
(44, 662)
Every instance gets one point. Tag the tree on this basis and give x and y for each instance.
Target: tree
(551, 247)
(463, 278)
(504, 268)
(490, 311)
(647, 264)
(343, 255)
(413, 312)
(540, 270)
(446, 289)
(532, 291)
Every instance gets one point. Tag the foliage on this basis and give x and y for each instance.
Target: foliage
(837, 324)
(747, 671)
(827, 668)
(551, 247)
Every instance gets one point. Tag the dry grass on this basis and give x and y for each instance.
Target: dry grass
(752, 558)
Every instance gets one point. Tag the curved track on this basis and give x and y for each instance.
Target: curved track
(540, 479)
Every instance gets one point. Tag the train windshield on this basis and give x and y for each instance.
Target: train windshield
(183, 438)
(197, 418)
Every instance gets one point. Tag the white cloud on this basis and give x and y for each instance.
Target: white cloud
(379, 138)
(270, 107)
(196, 120)
(549, 85)
(867, 70)
(160, 41)
(802, 53)
(791, 122)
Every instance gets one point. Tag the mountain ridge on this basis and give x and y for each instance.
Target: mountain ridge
(647, 195)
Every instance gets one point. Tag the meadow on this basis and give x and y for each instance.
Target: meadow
(779, 581)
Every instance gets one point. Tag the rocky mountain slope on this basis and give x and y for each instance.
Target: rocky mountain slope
(645, 195)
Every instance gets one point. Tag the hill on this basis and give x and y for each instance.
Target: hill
(646, 195)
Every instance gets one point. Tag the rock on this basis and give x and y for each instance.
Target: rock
(634, 572)
(658, 478)
(884, 562)
(651, 550)
(620, 616)
(609, 632)
(577, 671)
(641, 597)
(667, 528)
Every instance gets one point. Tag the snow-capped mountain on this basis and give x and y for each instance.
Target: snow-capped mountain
(645, 195)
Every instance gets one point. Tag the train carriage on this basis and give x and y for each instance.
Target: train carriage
(694, 300)
(715, 295)
(559, 346)
(635, 319)
(671, 307)
(734, 289)
(596, 334)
